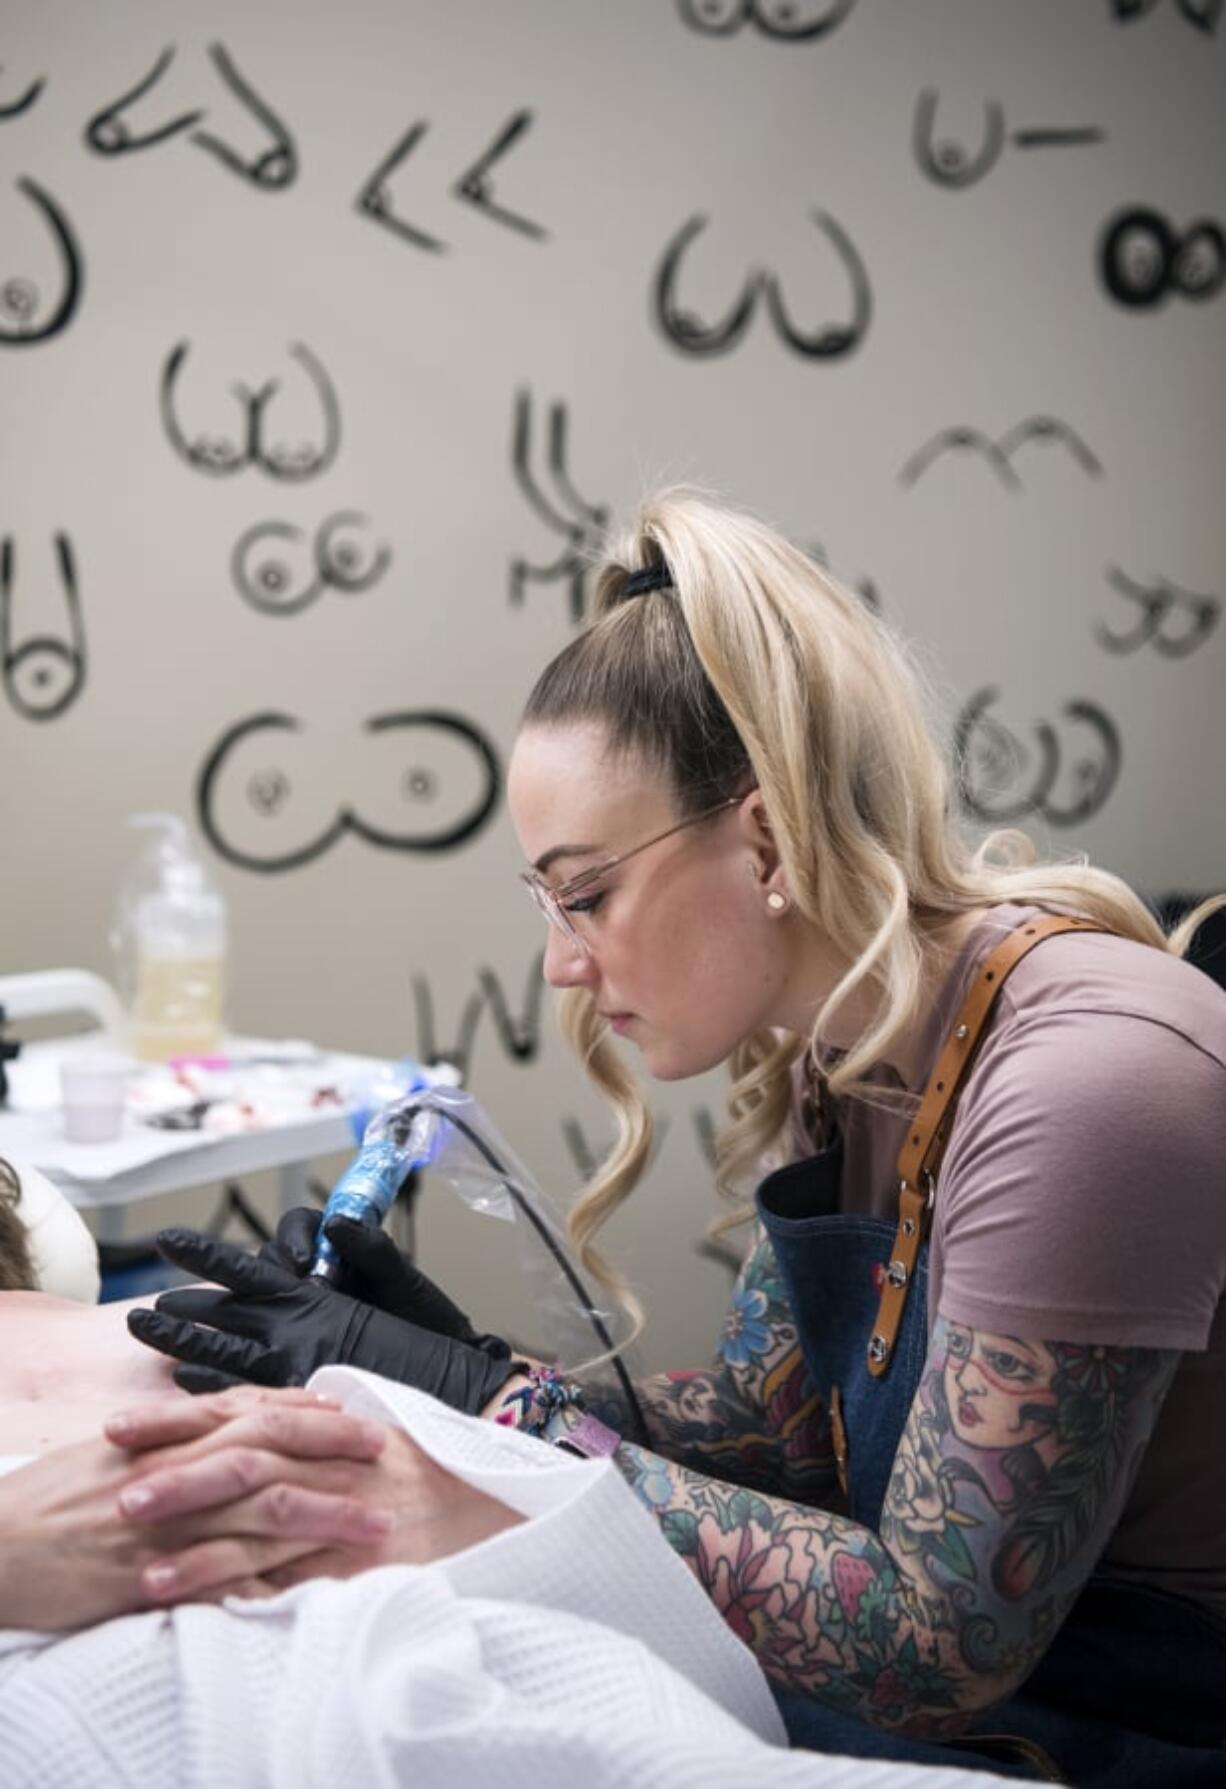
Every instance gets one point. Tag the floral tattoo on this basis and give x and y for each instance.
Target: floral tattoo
(754, 1417)
(1010, 1475)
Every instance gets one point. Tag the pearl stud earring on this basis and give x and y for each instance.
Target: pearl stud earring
(776, 901)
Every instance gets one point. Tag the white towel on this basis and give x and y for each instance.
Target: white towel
(573, 1649)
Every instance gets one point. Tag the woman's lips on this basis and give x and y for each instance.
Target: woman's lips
(619, 1021)
(968, 1414)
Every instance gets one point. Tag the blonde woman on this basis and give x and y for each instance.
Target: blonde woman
(965, 1430)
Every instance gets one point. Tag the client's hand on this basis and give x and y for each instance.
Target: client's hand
(376, 1272)
(274, 1329)
(70, 1555)
(221, 1483)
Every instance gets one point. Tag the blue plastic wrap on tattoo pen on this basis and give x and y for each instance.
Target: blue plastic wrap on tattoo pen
(398, 1139)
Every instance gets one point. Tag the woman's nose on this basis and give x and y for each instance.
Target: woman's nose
(567, 964)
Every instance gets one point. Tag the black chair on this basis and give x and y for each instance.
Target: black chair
(1208, 949)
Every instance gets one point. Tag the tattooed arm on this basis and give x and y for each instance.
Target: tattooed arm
(1010, 1476)
(753, 1417)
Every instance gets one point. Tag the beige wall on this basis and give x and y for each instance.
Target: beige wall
(987, 308)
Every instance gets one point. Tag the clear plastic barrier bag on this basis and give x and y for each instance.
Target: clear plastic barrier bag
(457, 1140)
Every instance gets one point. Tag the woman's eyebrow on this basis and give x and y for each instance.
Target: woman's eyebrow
(558, 851)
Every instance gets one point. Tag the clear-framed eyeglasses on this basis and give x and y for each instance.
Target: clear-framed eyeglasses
(561, 905)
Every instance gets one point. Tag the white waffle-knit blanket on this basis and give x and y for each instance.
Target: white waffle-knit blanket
(573, 1650)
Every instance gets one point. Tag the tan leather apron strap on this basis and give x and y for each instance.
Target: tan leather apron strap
(919, 1159)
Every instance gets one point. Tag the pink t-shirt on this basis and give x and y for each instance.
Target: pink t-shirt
(1083, 1199)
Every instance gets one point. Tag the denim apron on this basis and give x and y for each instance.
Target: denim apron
(1131, 1694)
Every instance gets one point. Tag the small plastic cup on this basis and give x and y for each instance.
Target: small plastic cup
(93, 1087)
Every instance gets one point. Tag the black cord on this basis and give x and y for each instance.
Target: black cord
(238, 1205)
(572, 1278)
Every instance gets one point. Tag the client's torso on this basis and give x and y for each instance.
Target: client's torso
(64, 1367)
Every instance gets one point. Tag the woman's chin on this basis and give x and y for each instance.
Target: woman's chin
(673, 1062)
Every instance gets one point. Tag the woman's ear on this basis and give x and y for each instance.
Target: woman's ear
(759, 840)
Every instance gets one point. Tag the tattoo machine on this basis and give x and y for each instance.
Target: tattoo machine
(402, 1136)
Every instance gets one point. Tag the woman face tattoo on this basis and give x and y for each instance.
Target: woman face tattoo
(998, 1388)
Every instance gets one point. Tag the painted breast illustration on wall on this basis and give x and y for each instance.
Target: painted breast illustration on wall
(999, 454)
(1203, 15)
(694, 332)
(44, 672)
(1172, 621)
(280, 568)
(1144, 259)
(786, 21)
(427, 780)
(1065, 778)
(271, 166)
(544, 480)
(253, 443)
(27, 317)
(26, 97)
(475, 185)
(949, 163)
(517, 1031)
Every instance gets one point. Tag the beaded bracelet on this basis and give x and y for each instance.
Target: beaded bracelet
(532, 1407)
(550, 1409)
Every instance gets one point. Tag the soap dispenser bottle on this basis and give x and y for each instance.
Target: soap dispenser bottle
(171, 939)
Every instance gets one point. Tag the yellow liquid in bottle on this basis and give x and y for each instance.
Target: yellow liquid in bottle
(177, 1008)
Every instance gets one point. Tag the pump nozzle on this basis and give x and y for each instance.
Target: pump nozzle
(157, 817)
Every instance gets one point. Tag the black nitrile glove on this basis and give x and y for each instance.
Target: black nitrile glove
(377, 1273)
(274, 1329)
